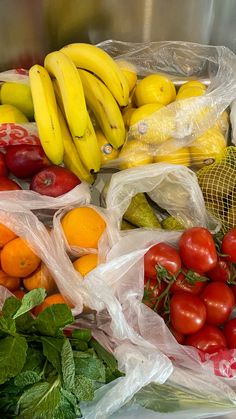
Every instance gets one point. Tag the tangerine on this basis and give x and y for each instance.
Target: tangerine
(83, 227)
(86, 263)
(9, 282)
(6, 235)
(49, 301)
(18, 259)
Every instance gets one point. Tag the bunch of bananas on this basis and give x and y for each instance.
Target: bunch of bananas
(74, 82)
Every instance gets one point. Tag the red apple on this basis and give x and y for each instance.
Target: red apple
(3, 167)
(8, 184)
(54, 181)
(24, 161)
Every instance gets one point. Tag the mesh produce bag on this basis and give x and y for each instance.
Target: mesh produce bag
(218, 185)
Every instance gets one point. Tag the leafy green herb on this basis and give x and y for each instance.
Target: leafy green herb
(43, 373)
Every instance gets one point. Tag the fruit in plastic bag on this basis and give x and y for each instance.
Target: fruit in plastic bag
(129, 72)
(189, 92)
(155, 88)
(41, 278)
(10, 114)
(18, 259)
(83, 227)
(126, 114)
(86, 263)
(170, 223)
(192, 83)
(207, 148)
(134, 153)
(140, 213)
(168, 153)
(18, 95)
(144, 111)
(125, 225)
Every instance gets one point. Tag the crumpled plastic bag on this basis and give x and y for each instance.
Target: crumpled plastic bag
(172, 187)
(181, 122)
(196, 379)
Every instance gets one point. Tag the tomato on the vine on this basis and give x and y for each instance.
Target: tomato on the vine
(182, 283)
(230, 333)
(164, 255)
(187, 312)
(219, 301)
(229, 245)
(180, 337)
(197, 250)
(152, 290)
(209, 339)
(221, 272)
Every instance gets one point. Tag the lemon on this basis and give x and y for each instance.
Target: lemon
(154, 88)
(135, 153)
(207, 148)
(154, 129)
(143, 111)
(127, 114)
(9, 113)
(18, 95)
(107, 151)
(129, 72)
(169, 154)
(190, 92)
(192, 83)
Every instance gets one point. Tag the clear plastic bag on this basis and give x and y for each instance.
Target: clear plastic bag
(200, 386)
(172, 187)
(181, 123)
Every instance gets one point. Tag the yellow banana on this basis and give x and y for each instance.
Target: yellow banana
(46, 114)
(105, 108)
(94, 59)
(63, 69)
(88, 148)
(71, 157)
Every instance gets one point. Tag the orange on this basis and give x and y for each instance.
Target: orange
(17, 258)
(41, 278)
(11, 283)
(49, 301)
(6, 235)
(86, 263)
(83, 227)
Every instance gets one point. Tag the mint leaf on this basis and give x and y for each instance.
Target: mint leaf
(52, 348)
(84, 388)
(31, 300)
(82, 334)
(10, 307)
(24, 323)
(68, 365)
(69, 407)
(103, 354)
(91, 368)
(34, 360)
(13, 351)
(54, 318)
(26, 378)
(40, 401)
(7, 326)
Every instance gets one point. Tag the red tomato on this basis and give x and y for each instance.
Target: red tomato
(178, 336)
(152, 290)
(19, 294)
(219, 301)
(230, 333)
(233, 289)
(229, 245)
(209, 339)
(221, 272)
(187, 312)
(182, 284)
(164, 255)
(197, 250)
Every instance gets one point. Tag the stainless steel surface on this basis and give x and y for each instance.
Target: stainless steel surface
(30, 28)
